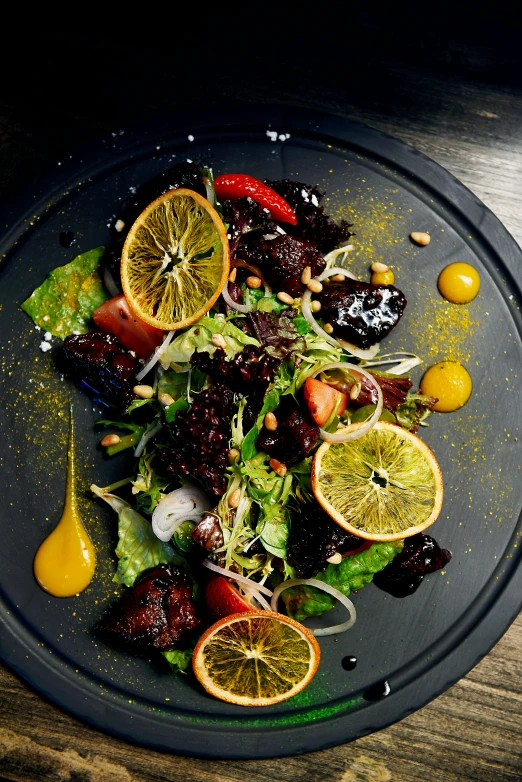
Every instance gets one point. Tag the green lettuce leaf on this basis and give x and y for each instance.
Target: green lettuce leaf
(179, 659)
(199, 337)
(65, 301)
(138, 548)
(348, 576)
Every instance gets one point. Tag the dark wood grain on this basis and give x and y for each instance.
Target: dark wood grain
(445, 105)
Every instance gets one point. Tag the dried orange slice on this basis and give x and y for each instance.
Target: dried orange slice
(175, 260)
(386, 485)
(255, 659)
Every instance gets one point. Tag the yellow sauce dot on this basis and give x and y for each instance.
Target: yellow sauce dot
(459, 283)
(383, 278)
(450, 383)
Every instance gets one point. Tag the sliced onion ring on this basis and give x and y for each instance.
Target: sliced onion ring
(155, 356)
(347, 603)
(256, 594)
(185, 504)
(236, 577)
(355, 430)
(231, 303)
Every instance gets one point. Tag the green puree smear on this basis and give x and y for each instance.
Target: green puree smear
(65, 301)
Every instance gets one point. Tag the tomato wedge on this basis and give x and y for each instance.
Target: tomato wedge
(321, 400)
(116, 317)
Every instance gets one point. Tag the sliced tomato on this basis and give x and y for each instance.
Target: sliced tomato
(116, 317)
(321, 400)
(223, 598)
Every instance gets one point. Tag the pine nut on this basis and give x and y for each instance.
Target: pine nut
(306, 276)
(278, 467)
(355, 390)
(420, 237)
(270, 422)
(338, 278)
(110, 439)
(315, 286)
(233, 500)
(232, 275)
(285, 297)
(328, 328)
(315, 306)
(145, 392)
(165, 399)
(233, 455)
(218, 340)
(335, 558)
(379, 267)
(254, 282)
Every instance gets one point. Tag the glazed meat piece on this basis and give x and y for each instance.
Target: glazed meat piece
(156, 613)
(313, 538)
(283, 260)
(294, 438)
(360, 312)
(403, 576)
(207, 532)
(100, 360)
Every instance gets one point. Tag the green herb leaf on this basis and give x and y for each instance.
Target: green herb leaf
(65, 301)
(179, 660)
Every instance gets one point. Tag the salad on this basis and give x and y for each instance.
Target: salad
(275, 466)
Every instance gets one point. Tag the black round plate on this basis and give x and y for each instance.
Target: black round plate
(419, 645)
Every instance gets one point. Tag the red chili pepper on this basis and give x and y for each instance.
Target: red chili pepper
(233, 186)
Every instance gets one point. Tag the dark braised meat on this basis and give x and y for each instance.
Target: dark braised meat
(360, 312)
(99, 360)
(207, 533)
(313, 538)
(296, 434)
(200, 440)
(157, 613)
(283, 260)
(403, 576)
(313, 224)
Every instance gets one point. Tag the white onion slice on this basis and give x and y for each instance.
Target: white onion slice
(109, 282)
(334, 270)
(256, 594)
(236, 577)
(347, 603)
(331, 257)
(231, 303)
(355, 430)
(155, 356)
(147, 435)
(365, 355)
(185, 504)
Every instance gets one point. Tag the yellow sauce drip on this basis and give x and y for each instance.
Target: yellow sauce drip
(65, 562)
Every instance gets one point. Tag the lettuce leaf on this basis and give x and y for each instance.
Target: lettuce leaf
(179, 659)
(138, 548)
(65, 301)
(348, 576)
(199, 337)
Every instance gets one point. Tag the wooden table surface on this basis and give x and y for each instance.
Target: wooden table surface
(456, 115)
